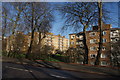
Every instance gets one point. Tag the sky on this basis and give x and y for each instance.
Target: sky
(59, 21)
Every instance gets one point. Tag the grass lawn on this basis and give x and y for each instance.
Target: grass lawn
(52, 59)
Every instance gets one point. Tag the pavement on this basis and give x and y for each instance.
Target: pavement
(64, 66)
(13, 71)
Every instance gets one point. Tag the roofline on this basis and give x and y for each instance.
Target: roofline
(116, 28)
(97, 30)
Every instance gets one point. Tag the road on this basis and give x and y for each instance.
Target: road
(12, 70)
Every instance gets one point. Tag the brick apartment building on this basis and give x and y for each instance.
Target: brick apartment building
(76, 40)
(115, 34)
(115, 39)
(56, 41)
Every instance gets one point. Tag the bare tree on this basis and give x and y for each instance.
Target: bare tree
(100, 35)
(30, 16)
(37, 17)
(4, 21)
(75, 54)
(4, 13)
(80, 15)
(11, 19)
(103, 17)
(19, 42)
(115, 53)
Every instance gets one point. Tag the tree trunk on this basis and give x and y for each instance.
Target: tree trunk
(3, 34)
(39, 44)
(85, 47)
(31, 42)
(39, 39)
(32, 34)
(97, 61)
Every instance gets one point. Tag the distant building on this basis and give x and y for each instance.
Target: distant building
(109, 34)
(56, 41)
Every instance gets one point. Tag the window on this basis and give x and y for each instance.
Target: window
(11, 47)
(81, 37)
(111, 39)
(49, 35)
(93, 41)
(93, 48)
(103, 55)
(103, 48)
(103, 63)
(49, 41)
(92, 55)
(92, 63)
(77, 42)
(104, 40)
(37, 40)
(49, 44)
(111, 47)
(117, 31)
(92, 34)
(104, 32)
(47, 38)
(81, 44)
(72, 42)
(77, 36)
(116, 39)
(72, 36)
(114, 34)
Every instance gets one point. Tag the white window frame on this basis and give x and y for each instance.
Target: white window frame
(81, 37)
(104, 32)
(72, 43)
(72, 36)
(103, 48)
(93, 55)
(91, 33)
(103, 55)
(116, 39)
(93, 41)
(77, 43)
(104, 40)
(81, 44)
(102, 63)
(93, 48)
(92, 63)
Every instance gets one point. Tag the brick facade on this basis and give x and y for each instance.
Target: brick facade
(92, 38)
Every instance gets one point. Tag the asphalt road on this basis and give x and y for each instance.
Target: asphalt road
(14, 71)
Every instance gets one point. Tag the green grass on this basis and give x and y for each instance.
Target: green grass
(60, 55)
(52, 59)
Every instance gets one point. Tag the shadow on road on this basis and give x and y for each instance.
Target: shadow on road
(49, 64)
(51, 69)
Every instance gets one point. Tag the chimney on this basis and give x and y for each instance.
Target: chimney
(95, 28)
